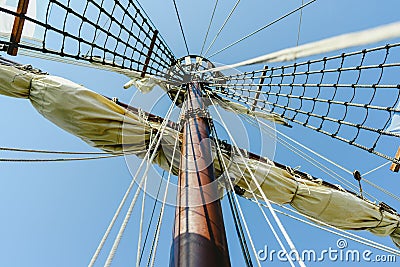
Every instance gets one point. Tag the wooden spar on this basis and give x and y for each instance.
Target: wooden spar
(264, 72)
(396, 167)
(151, 48)
(18, 27)
(199, 232)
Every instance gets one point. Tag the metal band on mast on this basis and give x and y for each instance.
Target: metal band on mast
(199, 232)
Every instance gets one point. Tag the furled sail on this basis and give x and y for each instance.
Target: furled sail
(316, 199)
(93, 118)
(104, 124)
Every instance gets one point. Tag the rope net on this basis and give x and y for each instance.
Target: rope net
(114, 33)
(351, 97)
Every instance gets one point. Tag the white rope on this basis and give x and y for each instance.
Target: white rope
(283, 231)
(299, 28)
(118, 211)
(381, 189)
(263, 28)
(377, 168)
(371, 243)
(278, 222)
(160, 218)
(302, 154)
(309, 149)
(140, 233)
(142, 217)
(323, 168)
(317, 223)
(335, 43)
(349, 235)
(314, 162)
(159, 136)
(58, 159)
(267, 220)
(13, 149)
(32, 53)
(209, 26)
(238, 204)
(338, 166)
(222, 27)
(100, 66)
(123, 225)
(98, 33)
(374, 244)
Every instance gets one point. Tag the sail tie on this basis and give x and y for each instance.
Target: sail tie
(380, 221)
(295, 192)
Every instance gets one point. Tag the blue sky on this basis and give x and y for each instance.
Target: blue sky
(54, 214)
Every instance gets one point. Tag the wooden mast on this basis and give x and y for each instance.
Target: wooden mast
(199, 232)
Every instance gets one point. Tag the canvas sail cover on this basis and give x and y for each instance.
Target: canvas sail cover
(93, 118)
(333, 206)
(99, 122)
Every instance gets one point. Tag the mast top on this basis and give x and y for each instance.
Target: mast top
(188, 69)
